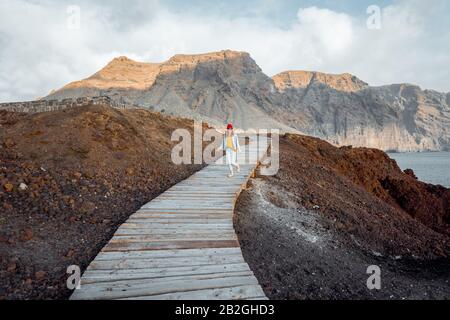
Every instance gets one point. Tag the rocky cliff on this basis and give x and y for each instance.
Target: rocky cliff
(303, 79)
(345, 111)
(228, 86)
(218, 87)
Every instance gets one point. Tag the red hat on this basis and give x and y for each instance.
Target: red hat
(229, 126)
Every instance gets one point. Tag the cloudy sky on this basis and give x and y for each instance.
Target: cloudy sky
(45, 44)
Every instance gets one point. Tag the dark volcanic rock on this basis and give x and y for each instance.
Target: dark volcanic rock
(86, 169)
(312, 230)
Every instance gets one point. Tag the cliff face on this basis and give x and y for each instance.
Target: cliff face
(303, 79)
(398, 117)
(217, 87)
(228, 86)
(121, 73)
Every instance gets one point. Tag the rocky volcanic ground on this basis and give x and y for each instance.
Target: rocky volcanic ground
(311, 231)
(68, 179)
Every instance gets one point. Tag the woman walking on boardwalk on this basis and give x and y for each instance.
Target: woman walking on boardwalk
(231, 147)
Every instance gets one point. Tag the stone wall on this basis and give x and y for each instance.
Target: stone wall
(53, 105)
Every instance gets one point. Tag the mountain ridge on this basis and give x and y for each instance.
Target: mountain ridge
(229, 86)
(358, 83)
(302, 79)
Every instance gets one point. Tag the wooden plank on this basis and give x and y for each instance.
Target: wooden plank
(91, 276)
(172, 215)
(180, 212)
(261, 298)
(181, 215)
(166, 236)
(173, 237)
(158, 280)
(204, 188)
(196, 196)
(157, 277)
(198, 205)
(163, 254)
(162, 245)
(188, 204)
(253, 292)
(193, 205)
(150, 264)
(167, 231)
(184, 210)
(136, 288)
(207, 224)
(175, 206)
(179, 221)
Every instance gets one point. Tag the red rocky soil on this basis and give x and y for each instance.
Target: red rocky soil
(311, 231)
(68, 179)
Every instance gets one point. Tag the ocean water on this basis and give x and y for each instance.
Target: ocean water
(431, 167)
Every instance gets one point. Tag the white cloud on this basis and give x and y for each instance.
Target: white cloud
(39, 53)
(330, 32)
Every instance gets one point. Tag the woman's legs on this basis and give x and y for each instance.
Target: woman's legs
(235, 164)
(232, 161)
(229, 156)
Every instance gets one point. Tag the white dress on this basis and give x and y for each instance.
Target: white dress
(231, 155)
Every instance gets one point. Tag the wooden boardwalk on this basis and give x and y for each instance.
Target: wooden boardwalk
(181, 245)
